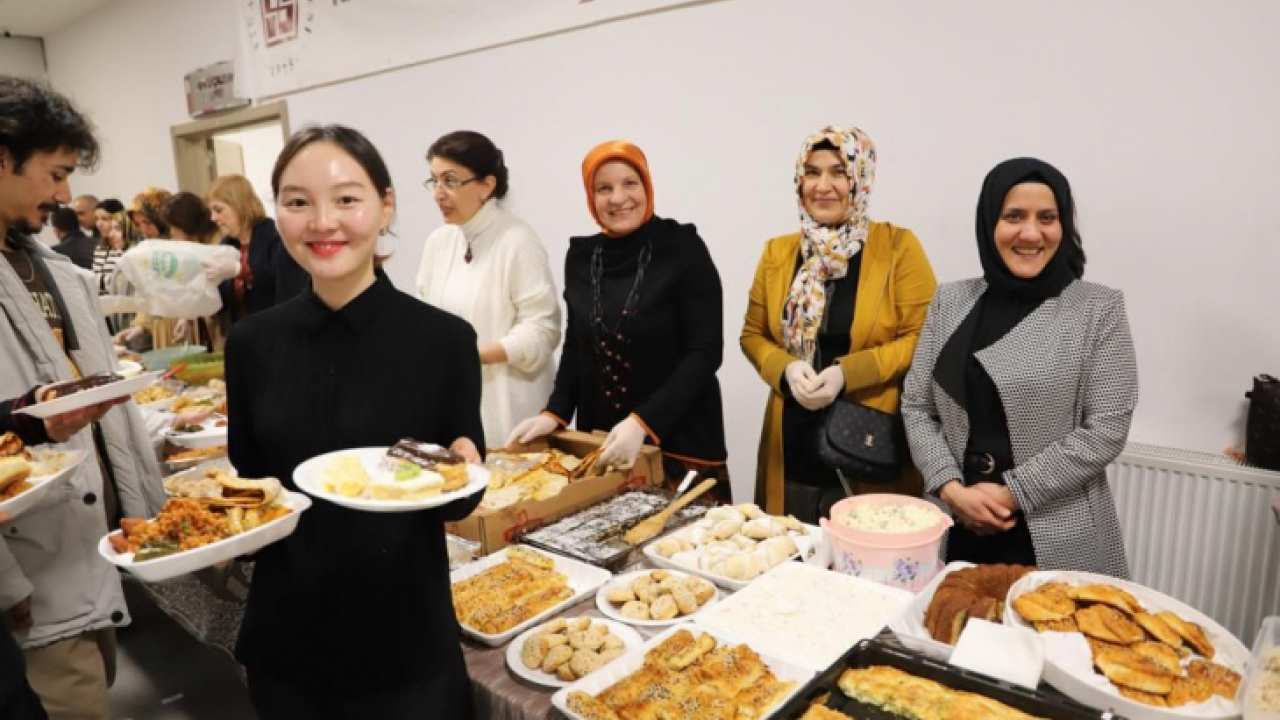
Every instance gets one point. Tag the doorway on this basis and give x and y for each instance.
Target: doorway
(244, 142)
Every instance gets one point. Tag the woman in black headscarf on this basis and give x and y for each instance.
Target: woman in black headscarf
(1023, 386)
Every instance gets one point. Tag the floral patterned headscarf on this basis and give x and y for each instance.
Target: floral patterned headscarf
(826, 251)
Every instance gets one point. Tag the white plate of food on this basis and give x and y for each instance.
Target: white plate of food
(696, 666)
(592, 643)
(733, 545)
(256, 514)
(91, 390)
(806, 615)
(21, 489)
(656, 598)
(1107, 605)
(212, 431)
(545, 584)
(372, 479)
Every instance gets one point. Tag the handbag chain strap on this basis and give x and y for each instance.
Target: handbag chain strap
(893, 259)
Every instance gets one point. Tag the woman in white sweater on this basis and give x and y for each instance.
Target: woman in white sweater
(489, 268)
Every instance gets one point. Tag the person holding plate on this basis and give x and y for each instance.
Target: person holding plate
(56, 593)
(350, 616)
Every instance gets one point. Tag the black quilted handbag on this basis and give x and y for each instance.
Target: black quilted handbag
(862, 443)
(1262, 431)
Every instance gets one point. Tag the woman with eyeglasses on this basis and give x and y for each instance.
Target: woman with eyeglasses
(644, 335)
(488, 267)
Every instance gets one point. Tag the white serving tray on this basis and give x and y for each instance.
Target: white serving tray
(792, 599)
(1068, 665)
(808, 549)
(629, 637)
(597, 682)
(92, 396)
(615, 613)
(181, 563)
(41, 484)
(307, 477)
(909, 626)
(583, 580)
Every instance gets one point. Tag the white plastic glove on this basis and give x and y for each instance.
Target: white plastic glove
(128, 334)
(181, 328)
(622, 444)
(531, 429)
(217, 269)
(826, 388)
(800, 377)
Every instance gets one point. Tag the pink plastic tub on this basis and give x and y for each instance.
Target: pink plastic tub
(903, 560)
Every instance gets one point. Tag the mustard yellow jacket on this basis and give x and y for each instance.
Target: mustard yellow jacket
(895, 286)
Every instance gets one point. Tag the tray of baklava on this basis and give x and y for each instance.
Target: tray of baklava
(876, 680)
(685, 672)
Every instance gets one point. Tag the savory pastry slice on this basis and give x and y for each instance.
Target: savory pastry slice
(669, 648)
(729, 669)
(589, 707)
(1142, 697)
(1108, 595)
(757, 700)
(1068, 625)
(1189, 631)
(1158, 629)
(703, 703)
(1043, 605)
(691, 654)
(1223, 680)
(1161, 654)
(1127, 667)
(1188, 691)
(819, 712)
(1108, 624)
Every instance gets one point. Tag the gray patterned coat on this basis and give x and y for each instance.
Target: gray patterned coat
(1068, 380)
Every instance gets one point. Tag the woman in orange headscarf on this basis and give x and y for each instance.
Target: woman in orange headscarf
(645, 329)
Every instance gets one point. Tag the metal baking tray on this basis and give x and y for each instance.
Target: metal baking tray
(609, 553)
(1040, 703)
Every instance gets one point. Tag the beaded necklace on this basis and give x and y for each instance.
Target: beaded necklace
(610, 344)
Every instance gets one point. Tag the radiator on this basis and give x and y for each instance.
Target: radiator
(1199, 527)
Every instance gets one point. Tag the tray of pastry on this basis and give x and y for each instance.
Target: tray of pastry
(876, 680)
(593, 535)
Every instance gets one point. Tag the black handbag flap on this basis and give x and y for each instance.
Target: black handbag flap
(864, 432)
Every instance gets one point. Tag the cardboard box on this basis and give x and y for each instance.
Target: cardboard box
(495, 529)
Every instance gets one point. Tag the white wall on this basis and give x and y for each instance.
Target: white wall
(1162, 113)
(23, 57)
(260, 146)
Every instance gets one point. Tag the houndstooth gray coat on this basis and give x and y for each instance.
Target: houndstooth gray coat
(1068, 380)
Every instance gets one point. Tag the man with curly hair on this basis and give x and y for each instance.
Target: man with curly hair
(60, 600)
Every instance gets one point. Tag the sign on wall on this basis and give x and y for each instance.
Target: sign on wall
(212, 88)
(290, 45)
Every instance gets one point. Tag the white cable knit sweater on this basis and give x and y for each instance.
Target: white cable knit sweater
(508, 295)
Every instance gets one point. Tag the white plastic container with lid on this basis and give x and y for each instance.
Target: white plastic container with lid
(1261, 692)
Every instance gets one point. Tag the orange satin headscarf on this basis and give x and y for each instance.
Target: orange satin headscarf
(608, 152)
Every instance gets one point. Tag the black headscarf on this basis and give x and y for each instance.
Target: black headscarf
(1009, 299)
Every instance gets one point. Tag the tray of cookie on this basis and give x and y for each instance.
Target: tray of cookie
(593, 535)
(876, 680)
(734, 544)
(1117, 644)
(504, 594)
(685, 672)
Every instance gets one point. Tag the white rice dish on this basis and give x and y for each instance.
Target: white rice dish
(889, 518)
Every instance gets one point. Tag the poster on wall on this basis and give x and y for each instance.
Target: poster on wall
(290, 45)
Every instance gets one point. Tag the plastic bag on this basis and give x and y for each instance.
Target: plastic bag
(170, 276)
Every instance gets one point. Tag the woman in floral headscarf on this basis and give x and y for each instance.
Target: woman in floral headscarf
(834, 311)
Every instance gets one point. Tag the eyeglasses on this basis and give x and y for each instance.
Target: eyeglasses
(449, 183)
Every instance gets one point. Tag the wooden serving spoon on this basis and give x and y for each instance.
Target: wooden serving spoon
(651, 526)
